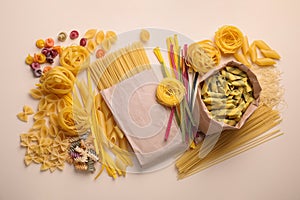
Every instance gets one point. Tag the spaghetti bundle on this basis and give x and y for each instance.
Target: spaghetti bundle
(232, 142)
(119, 65)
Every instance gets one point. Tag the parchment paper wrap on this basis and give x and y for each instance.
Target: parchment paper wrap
(144, 121)
(209, 126)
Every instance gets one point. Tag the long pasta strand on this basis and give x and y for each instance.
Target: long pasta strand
(232, 143)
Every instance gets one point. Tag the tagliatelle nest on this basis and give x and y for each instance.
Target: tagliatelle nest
(198, 59)
(229, 39)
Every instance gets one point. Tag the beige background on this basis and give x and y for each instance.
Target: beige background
(270, 171)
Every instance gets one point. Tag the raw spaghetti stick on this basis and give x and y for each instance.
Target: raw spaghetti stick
(232, 143)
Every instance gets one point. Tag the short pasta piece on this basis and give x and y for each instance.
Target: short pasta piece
(144, 35)
(265, 62)
(89, 34)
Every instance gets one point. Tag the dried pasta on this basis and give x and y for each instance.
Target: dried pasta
(210, 48)
(170, 92)
(74, 58)
(119, 65)
(58, 81)
(233, 142)
(89, 34)
(144, 35)
(198, 59)
(229, 39)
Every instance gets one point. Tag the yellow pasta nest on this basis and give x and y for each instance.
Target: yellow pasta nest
(74, 58)
(73, 120)
(229, 39)
(211, 50)
(170, 92)
(198, 59)
(58, 81)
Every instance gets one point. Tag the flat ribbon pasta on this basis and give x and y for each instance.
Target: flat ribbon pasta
(229, 39)
(74, 58)
(58, 81)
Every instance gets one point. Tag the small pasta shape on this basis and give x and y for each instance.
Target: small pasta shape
(99, 37)
(252, 52)
(39, 115)
(89, 34)
(38, 124)
(265, 62)
(242, 59)
(106, 44)
(245, 46)
(261, 44)
(51, 98)
(42, 104)
(22, 117)
(91, 46)
(36, 93)
(28, 110)
(144, 35)
(270, 53)
(111, 36)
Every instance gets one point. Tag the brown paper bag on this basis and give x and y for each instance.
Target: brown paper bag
(209, 126)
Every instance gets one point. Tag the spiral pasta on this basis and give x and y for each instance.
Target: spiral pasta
(170, 92)
(229, 39)
(74, 58)
(58, 81)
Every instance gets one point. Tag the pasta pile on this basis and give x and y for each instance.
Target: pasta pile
(73, 123)
(255, 131)
(227, 94)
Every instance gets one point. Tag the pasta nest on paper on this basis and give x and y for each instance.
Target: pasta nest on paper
(170, 92)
